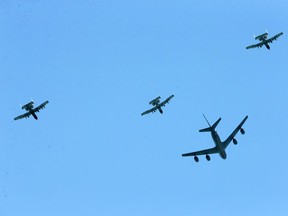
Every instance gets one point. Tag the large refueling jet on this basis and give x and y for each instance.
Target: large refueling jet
(264, 41)
(219, 145)
(30, 111)
(157, 105)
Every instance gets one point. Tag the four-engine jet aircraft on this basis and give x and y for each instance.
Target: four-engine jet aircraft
(219, 145)
(157, 105)
(30, 110)
(264, 40)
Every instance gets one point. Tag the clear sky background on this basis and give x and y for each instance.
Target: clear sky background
(99, 63)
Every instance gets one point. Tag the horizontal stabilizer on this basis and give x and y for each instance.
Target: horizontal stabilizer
(28, 105)
(154, 101)
(262, 36)
(216, 123)
(205, 129)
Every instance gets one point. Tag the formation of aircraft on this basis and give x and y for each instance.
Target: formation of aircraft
(157, 105)
(219, 145)
(264, 41)
(30, 110)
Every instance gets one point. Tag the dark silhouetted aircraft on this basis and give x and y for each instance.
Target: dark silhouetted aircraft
(30, 110)
(264, 41)
(157, 105)
(219, 145)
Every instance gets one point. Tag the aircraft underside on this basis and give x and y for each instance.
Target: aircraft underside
(34, 115)
(220, 146)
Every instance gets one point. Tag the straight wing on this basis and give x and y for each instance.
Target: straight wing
(41, 106)
(26, 115)
(154, 109)
(270, 40)
(202, 152)
(255, 45)
(233, 134)
(166, 101)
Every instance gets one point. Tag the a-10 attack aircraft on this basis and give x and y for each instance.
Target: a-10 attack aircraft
(264, 41)
(157, 105)
(30, 110)
(219, 145)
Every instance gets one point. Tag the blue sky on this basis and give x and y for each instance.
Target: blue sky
(99, 63)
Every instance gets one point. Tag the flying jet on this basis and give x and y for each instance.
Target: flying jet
(157, 105)
(219, 145)
(264, 41)
(30, 110)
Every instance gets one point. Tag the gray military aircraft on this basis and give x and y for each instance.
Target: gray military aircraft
(264, 41)
(157, 105)
(30, 110)
(219, 145)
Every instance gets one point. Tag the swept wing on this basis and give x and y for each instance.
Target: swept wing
(233, 134)
(202, 152)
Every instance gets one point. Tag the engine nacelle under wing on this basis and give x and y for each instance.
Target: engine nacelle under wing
(155, 101)
(28, 106)
(262, 37)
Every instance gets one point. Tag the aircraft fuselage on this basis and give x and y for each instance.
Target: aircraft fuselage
(267, 45)
(218, 144)
(32, 112)
(158, 107)
(34, 115)
(265, 42)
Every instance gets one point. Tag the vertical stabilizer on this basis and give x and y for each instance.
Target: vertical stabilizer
(216, 123)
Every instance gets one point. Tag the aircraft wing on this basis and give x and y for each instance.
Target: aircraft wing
(41, 106)
(202, 152)
(25, 115)
(154, 109)
(233, 134)
(270, 40)
(255, 45)
(166, 101)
